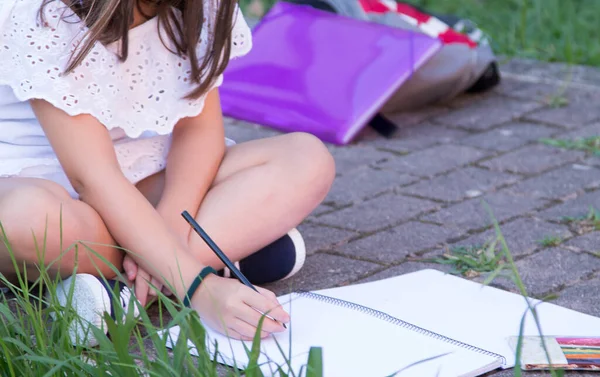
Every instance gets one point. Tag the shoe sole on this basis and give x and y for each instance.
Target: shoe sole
(90, 300)
(300, 248)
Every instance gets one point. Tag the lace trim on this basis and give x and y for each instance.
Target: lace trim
(144, 93)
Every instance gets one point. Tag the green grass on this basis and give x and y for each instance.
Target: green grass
(588, 144)
(34, 339)
(586, 223)
(551, 241)
(549, 30)
(471, 261)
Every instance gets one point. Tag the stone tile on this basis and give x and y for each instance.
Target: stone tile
(321, 209)
(581, 133)
(559, 183)
(583, 297)
(533, 159)
(461, 184)
(589, 242)
(394, 245)
(582, 109)
(348, 158)
(435, 160)
(509, 136)
(473, 214)
(363, 183)
(409, 118)
(577, 207)
(508, 86)
(324, 271)
(241, 132)
(592, 161)
(523, 236)
(419, 137)
(405, 268)
(378, 213)
(487, 113)
(551, 270)
(320, 237)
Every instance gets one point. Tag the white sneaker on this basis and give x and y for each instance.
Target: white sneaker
(92, 297)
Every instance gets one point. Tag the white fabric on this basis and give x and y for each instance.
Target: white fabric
(139, 100)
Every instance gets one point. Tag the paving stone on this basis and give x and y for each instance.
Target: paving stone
(577, 207)
(348, 158)
(551, 269)
(363, 183)
(583, 297)
(381, 212)
(592, 161)
(409, 118)
(320, 237)
(405, 268)
(589, 242)
(419, 137)
(581, 133)
(394, 245)
(324, 271)
(581, 110)
(487, 113)
(533, 159)
(559, 183)
(473, 214)
(508, 86)
(435, 160)
(461, 184)
(509, 136)
(523, 236)
(242, 132)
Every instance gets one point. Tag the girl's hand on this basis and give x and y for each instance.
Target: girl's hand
(140, 279)
(230, 307)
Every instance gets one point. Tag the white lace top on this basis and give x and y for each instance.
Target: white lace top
(139, 100)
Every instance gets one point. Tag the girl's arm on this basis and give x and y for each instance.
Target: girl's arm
(86, 153)
(196, 151)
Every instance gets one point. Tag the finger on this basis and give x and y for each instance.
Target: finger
(245, 330)
(156, 286)
(252, 316)
(130, 268)
(141, 286)
(270, 306)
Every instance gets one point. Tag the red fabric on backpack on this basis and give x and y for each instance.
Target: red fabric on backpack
(430, 25)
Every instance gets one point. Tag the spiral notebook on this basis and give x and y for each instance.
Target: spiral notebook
(440, 324)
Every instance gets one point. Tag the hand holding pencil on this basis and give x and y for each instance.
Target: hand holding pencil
(240, 305)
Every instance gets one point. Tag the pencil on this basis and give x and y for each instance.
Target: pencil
(213, 246)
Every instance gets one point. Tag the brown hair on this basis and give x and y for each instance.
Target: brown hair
(109, 21)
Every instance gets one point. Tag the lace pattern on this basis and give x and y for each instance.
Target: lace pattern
(144, 93)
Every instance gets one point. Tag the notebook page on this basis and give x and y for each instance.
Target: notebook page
(355, 344)
(465, 310)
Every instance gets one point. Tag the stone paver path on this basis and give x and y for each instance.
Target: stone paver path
(398, 202)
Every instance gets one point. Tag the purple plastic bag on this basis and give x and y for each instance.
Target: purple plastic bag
(321, 73)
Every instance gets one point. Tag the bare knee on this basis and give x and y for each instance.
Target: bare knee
(309, 159)
(41, 226)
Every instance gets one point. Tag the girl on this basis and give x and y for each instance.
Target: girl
(110, 127)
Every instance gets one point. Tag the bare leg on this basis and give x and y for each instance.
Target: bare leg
(30, 210)
(263, 189)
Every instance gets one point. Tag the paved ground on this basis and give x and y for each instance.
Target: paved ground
(397, 202)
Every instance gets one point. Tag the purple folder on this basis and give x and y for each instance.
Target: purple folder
(321, 73)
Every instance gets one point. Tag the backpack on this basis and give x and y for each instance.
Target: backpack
(465, 64)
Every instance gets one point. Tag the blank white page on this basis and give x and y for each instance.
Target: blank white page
(464, 310)
(355, 344)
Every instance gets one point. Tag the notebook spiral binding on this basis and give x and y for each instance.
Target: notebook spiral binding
(398, 322)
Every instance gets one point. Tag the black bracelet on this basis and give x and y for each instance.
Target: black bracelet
(196, 283)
